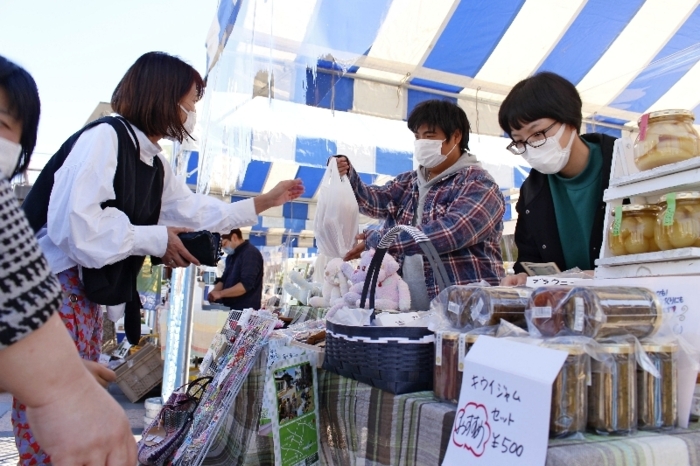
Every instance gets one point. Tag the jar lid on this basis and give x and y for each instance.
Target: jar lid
(638, 208)
(449, 335)
(617, 348)
(686, 195)
(660, 347)
(670, 112)
(572, 349)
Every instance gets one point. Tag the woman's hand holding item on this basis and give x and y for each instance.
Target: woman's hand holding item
(514, 280)
(176, 254)
(283, 192)
(102, 374)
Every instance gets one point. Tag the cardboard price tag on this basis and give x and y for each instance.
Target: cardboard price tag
(543, 280)
(504, 406)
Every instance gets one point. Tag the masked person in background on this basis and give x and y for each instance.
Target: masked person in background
(562, 198)
(450, 198)
(240, 286)
(74, 419)
(108, 198)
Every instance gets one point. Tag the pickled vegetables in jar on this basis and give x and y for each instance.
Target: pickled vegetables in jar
(678, 222)
(668, 136)
(632, 232)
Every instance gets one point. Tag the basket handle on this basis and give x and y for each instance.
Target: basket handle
(370, 286)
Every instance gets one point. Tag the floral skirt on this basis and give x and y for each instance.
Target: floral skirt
(83, 320)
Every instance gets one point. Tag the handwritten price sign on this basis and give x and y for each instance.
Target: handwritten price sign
(503, 413)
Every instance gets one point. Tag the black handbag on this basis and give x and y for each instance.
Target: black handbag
(204, 245)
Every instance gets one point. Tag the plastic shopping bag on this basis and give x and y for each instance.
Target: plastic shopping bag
(337, 214)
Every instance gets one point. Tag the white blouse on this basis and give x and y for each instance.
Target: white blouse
(80, 232)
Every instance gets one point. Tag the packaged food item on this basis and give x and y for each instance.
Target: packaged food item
(667, 136)
(489, 305)
(602, 312)
(678, 221)
(447, 380)
(450, 350)
(657, 398)
(457, 310)
(612, 405)
(569, 393)
(632, 231)
(545, 311)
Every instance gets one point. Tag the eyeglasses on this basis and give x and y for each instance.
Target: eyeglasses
(534, 140)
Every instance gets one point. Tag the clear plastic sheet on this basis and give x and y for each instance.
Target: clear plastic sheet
(602, 312)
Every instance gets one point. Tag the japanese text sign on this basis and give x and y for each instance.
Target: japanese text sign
(542, 280)
(503, 412)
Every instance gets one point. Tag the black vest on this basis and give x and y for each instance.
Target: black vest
(138, 191)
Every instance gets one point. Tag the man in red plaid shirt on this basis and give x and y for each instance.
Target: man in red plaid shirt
(450, 197)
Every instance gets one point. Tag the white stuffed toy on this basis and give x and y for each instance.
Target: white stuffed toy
(392, 292)
(335, 285)
(300, 289)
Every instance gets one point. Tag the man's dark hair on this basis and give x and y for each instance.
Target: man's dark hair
(441, 114)
(150, 92)
(544, 95)
(23, 101)
(229, 235)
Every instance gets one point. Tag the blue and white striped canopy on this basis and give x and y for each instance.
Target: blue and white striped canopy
(292, 82)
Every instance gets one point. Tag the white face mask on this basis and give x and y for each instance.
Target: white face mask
(191, 120)
(428, 154)
(550, 158)
(9, 157)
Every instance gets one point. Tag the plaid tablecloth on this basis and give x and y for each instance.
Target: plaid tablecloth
(362, 425)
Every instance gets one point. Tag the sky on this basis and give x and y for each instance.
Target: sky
(78, 50)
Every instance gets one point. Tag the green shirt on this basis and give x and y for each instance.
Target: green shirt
(576, 202)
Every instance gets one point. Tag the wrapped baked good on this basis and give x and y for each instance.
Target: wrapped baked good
(657, 398)
(602, 312)
(545, 313)
(666, 136)
(632, 231)
(678, 222)
(612, 405)
(569, 410)
(489, 305)
(453, 304)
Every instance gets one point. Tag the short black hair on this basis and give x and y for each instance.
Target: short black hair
(235, 231)
(442, 114)
(150, 92)
(23, 99)
(544, 95)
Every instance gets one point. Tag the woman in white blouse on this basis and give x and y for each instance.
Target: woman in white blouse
(114, 199)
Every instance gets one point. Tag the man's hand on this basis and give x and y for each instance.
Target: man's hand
(514, 280)
(355, 252)
(214, 296)
(176, 254)
(283, 192)
(102, 374)
(343, 165)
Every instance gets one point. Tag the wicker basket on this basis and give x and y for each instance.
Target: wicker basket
(140, 373)
(395, 359)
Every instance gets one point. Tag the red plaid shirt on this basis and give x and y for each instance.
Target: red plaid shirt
(462, 216)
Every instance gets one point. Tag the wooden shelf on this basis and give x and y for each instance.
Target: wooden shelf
(656, 172)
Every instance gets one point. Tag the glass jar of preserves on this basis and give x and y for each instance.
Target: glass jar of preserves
(545, 309)
(678, 222)
(608, 311)
(447, 380)
(668, 136)
(612, 405)
(632, 232)
(569, 398)
(491, 304)
(657, 399)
